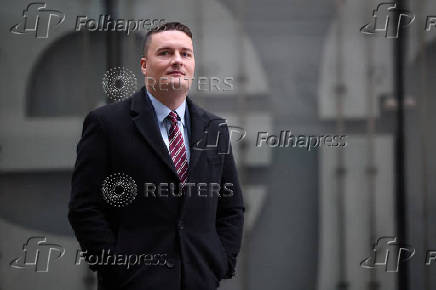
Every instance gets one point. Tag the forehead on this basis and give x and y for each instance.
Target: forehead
(175, 39)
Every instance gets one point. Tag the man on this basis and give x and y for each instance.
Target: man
(130, 154)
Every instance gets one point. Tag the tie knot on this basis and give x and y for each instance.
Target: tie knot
(173, 116)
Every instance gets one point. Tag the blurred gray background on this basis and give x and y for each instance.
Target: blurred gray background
(312, 216)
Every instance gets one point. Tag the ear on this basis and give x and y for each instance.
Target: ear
(143, 65)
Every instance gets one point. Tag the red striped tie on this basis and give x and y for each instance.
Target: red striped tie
(177, 148)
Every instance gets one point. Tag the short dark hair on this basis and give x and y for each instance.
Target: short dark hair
(165, 27)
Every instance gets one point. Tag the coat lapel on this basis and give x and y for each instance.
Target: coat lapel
(199, 122)
(198, 127)
(143, 116)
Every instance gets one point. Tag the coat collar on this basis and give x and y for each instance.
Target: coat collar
(144, 117)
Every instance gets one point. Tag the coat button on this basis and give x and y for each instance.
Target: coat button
(170, 263)
(180, 225)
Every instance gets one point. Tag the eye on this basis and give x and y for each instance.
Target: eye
(186, 54)
(164, 52)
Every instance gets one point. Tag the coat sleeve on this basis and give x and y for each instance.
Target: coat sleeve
(230, 212)
(87, 210)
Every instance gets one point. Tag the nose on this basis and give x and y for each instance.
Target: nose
(176, 60)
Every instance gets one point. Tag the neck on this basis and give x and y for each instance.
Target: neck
(171, 99)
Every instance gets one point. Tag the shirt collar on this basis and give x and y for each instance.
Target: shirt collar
(162, 111)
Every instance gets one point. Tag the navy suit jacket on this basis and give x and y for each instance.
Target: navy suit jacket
(199, 234)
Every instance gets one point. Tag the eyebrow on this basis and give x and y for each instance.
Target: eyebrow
(171, 48)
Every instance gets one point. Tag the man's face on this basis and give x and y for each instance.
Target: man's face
(169, 63)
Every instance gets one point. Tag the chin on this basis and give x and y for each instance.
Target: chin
(179, 84)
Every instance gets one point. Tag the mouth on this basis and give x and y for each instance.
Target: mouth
(176, 73)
